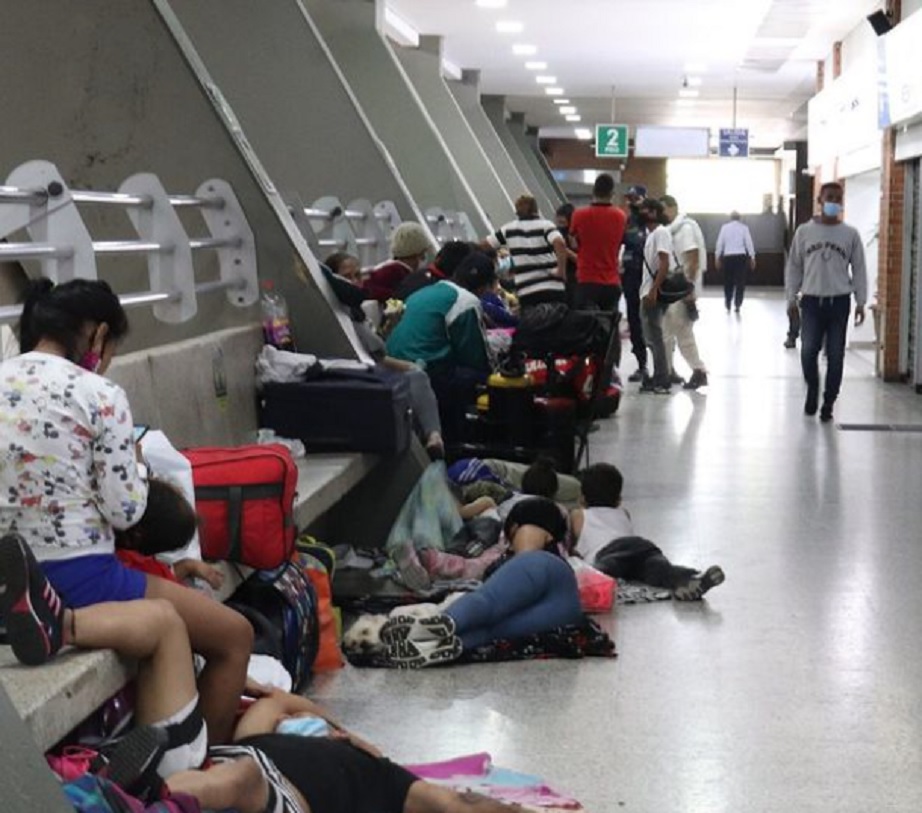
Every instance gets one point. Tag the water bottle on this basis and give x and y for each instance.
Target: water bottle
(276, 327)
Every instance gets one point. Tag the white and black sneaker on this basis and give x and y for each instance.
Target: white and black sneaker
(699, 584)
(408, 654)
(407, 627)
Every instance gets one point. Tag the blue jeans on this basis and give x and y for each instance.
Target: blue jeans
(533, 592)
(824, 318)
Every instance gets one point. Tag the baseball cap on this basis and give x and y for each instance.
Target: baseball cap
(637, 191)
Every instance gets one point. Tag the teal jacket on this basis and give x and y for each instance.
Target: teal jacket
(442, 326)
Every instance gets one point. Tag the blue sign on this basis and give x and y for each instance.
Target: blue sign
(734, 143)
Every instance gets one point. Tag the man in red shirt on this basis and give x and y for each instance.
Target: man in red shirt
(598, 230)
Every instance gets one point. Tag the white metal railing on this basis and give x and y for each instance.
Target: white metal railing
(37, 200)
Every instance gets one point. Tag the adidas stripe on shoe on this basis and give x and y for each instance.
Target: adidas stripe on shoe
(33, 611)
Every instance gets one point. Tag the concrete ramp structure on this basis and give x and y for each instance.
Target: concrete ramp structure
(399, 116)
(495, 109)
(467, 94)
(423, 66)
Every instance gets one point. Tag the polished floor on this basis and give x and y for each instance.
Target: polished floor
(797, 686)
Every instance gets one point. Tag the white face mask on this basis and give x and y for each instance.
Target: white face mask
(504, 266)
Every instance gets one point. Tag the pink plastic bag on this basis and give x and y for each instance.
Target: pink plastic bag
(596, 590)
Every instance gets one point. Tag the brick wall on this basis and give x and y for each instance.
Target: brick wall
(890, 261)
(568, 153)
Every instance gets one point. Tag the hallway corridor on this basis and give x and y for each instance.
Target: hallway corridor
(797, 686)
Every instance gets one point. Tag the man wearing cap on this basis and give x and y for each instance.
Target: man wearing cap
(597, 230)
(635, 234)
(410, 248)
(539, 254)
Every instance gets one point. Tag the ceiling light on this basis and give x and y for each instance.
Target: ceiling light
(545, 80)
(554, 91)
(510, 27)
(688, 94)
(583, 134)
(695, 67)
(561, 101)
(574, 118)
(566, 110)
(694, 81)
(491, 3)
(536, 66)
(524, 50)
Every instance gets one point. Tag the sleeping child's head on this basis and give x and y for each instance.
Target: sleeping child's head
(601, 486)
(540, 479)
(169, 522)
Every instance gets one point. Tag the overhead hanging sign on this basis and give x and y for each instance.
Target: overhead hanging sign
(734, 143)
(611, 141)
(671, 142)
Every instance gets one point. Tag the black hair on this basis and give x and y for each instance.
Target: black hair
(540, 478)
(565, 210)
(336, 259)
(60, 312)
(671, 202)
(601, 484)
(604, 186)
(475, 271)
(652, 205)
(168, 522)
(831, 185)
(450, 256)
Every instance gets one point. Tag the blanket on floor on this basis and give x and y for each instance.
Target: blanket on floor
(478, 773)
(571, 641)
(639, 593)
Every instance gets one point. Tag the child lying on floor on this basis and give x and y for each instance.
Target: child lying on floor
(604, 537)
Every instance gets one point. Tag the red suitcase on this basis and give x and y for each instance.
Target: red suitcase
(244, 496)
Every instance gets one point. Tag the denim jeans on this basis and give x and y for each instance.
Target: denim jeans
(533, 592)
(824, 318)
(653, 334)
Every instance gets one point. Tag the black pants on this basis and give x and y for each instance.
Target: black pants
(593, 296)
(630, 282)
(736, 270)
(638, 559)
(455, 389)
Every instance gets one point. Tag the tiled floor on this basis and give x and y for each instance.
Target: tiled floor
(798, 685)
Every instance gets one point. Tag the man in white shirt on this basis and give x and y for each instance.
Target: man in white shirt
(679, 320)
(735, 256)
(658, 262)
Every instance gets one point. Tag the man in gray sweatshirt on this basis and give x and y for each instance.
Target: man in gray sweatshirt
(826, 267)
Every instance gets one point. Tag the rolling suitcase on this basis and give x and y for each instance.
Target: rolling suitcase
(342, 412)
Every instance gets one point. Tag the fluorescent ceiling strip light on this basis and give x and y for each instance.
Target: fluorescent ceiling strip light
(574, 118)
(536, 66)
(554, 91)
(520, 49)
(561, 101)
(510, 27)
(567, 110)
(546, 80)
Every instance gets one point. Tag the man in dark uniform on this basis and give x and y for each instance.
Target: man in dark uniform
(632, 274)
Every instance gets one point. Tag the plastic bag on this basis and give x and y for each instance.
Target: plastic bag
(596, 590)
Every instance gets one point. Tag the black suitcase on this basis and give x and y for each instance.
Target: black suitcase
(342, 412)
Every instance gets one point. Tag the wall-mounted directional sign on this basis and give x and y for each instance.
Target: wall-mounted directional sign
(611, 141)
(734, 143)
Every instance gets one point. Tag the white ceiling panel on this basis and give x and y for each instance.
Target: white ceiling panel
(639, 52)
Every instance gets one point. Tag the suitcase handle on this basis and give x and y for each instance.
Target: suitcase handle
(235, 496)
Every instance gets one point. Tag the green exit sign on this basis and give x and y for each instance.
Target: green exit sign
(611, 141)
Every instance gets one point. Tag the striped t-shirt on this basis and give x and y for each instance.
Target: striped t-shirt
(534, 264)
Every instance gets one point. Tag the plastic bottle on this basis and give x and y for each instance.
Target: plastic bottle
(276, 326)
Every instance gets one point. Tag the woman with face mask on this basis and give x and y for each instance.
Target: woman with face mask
(71, 476)
(825, 267)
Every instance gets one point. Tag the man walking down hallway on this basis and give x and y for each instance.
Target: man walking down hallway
(735, 256)
(822, 252)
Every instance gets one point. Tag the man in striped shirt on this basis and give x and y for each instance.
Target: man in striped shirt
(539, 254)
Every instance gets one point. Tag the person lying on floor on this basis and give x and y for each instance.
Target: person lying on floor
(604, 537)
(265, 770)
(531, 589)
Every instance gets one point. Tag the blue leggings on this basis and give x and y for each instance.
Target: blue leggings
(533, 592)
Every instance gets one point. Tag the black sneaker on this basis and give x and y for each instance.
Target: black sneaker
(812, 402)
(699, 378)
(134, 761)
(699, 584)
(638, 375)
(790, 344)
(675, 378)
(646, 384)
(826, 413)
(33, 611)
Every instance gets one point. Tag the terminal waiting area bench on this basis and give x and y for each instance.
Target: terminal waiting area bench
(200, 392)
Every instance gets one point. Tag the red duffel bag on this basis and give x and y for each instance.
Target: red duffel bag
(244, 496)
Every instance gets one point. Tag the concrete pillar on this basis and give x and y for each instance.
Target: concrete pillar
(467, 95)
(528, 145)
(424, 69)
(293, 101)
(107, 92)
(534, 140)
(495, 109)
(398, 116)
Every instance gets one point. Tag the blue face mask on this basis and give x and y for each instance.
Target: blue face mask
(504, 266)
(831, 209)
(303, 727)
